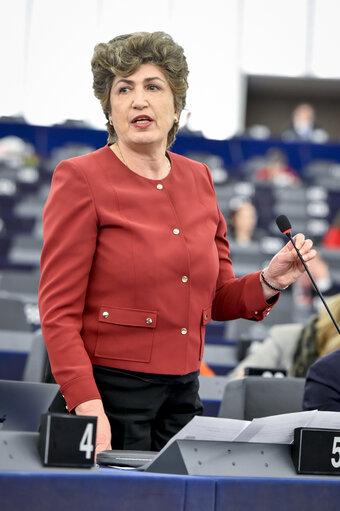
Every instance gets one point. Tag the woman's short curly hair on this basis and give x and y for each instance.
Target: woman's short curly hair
(124, 54)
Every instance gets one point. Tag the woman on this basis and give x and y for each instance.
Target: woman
(135, 262)
(242, 222)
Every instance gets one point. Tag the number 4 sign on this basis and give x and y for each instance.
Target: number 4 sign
(67, 440)
(87, 442)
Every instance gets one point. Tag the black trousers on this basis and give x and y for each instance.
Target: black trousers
(145, 411)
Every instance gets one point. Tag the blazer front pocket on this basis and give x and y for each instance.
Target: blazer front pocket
(125, 334)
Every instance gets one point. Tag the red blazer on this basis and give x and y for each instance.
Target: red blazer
(132, 269)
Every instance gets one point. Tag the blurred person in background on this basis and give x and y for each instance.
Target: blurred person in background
(304, 293)
(187, 130)
(331, 239)
(276, 170)
(322, 387)
(295, 347)
(242, 222)
(304, 127)
(135, 260)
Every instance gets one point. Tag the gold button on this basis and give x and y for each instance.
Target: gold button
(185, 278)
(175, 231)
(106, 314)
(205, 316)
(255, 312)
(148, 321)
(159, 187)
(184, 331)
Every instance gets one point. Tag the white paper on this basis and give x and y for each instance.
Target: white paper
(207, 428)
(276, 429)
(212, 428)
(328, 420)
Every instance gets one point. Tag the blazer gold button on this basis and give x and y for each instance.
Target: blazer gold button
(184, 331)
(205, 316)
(148, 321)
(175, 231)
(106, 314)
(185, 278)
(159, 187)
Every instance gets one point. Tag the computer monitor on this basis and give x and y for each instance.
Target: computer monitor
(22, 404)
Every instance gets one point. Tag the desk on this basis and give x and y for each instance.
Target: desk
(115, 490)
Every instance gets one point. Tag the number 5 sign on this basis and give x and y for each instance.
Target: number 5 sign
(316, 451)
(336, 450)
(67, 440)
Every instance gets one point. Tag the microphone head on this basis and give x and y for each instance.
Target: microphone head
(283, 224)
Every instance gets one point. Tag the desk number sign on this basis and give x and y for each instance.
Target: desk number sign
(316, 451)
(67, 440)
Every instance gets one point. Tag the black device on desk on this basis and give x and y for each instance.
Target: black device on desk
(265, 372)
(125, 458)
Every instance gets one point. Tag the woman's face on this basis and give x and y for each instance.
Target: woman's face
(245, 218)
(142, 107)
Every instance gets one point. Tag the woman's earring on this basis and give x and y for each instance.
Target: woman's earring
(110, 121)
(175, 119)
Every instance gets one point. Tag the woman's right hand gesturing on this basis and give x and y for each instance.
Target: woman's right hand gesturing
(95, 408)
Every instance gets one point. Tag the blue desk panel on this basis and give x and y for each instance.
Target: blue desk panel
(110, 490)
(132, 491)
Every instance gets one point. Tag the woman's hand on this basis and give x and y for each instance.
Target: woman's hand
(95, 408)
(286, 267)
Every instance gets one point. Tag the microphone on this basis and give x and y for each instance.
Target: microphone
(285, 227)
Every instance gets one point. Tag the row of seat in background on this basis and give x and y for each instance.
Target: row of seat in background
(23, 192)
(310, 205)
(24, 186)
